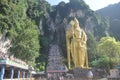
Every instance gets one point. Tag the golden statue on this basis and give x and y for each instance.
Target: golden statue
(76, 45)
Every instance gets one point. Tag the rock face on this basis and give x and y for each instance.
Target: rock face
(57, 21)
(112, 11)
(54, 24)
(4, 44)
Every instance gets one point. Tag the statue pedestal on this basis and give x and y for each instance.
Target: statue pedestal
(80, 72)
(83, 73)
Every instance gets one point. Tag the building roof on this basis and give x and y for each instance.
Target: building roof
(9, 63)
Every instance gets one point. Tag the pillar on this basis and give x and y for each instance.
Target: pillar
(27, 74)
(18, 74)
(30, 75)
(2, 72)
(23, 75)
(12, 73)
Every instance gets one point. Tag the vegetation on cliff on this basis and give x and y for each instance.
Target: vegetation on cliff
(112, 11)
(16, 25)
(33, 25)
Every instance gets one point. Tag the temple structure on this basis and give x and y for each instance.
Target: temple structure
(11, 67)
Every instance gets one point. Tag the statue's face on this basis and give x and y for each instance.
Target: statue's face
(76, 21)
(72, 23)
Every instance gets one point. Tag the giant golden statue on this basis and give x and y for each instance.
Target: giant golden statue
(76, 45)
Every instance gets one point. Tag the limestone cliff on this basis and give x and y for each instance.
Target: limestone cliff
(53, 25)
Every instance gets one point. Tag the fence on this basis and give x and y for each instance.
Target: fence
(21, 79)
(78, 79)
(63, 79)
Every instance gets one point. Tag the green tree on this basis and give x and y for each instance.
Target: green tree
(102, 62)
(109, 47)
(26, 44)
(91, 47)
(21, 30)
(36, 9)
(5, 15)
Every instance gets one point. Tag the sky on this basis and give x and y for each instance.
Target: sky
(93, 4)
